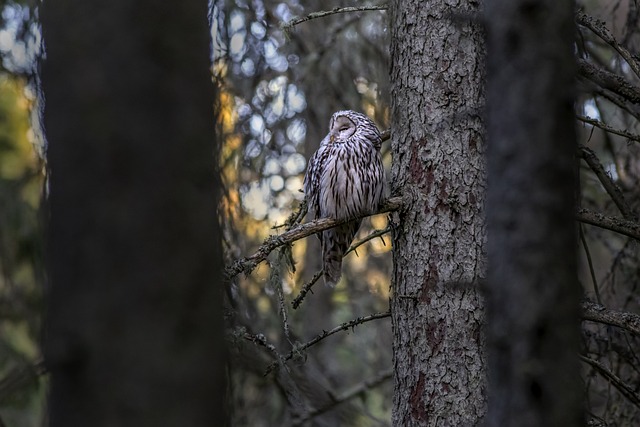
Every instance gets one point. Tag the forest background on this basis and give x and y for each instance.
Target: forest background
(278, 86)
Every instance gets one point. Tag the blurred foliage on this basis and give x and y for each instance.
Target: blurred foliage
(22, 387)
(21, 281)
(20, 41)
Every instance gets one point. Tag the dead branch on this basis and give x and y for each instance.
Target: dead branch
(247, 264)
(288, 26)
(609, 80)
(598, 313)
(305, 289)
(343, 327)
(626, 390)
(612, 189)
(619, 225)
(598, 28)
(355, 391)
(307, 286)
(607, 128)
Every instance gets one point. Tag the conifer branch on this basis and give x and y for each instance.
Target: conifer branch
(607, 128)
(288, 26)
(272, 242)
(626, 390)
(598, 313)
(343, 327)
(598, 28)
(619, 225)
(354, 392)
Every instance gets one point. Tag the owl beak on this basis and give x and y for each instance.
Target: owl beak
(332, 137)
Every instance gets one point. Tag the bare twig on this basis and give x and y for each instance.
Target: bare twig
(609, 80)
(598, 27)
(597, 313)
(607, 128)
(247, 264)
(619, 225)
(261, 341)
(315, 15)
(343, 327)
(620, 385)
(355, 391)
(275, 280)
(622, 103)
(590, 262)
(295, 218)
(307, 286)
(612, 189)
(371, 236)
(305, 289)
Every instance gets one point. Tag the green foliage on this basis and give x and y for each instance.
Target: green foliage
(21, 395)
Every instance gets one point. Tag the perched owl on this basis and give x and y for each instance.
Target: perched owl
(344, 178)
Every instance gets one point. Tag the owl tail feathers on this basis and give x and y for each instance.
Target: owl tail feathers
(332, 269)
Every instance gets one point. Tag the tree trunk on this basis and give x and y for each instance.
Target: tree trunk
(437, 142)
(533, 293)
(134, 322)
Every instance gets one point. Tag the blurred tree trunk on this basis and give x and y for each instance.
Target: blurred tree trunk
(134, 325)
(533, 292)
(437, 142)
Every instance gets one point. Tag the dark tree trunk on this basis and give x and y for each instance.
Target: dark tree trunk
(438, 166)
(533, 293)
(134, 325)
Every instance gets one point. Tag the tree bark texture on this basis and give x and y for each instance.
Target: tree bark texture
(134, 323)
(437, 54)
(533, 293)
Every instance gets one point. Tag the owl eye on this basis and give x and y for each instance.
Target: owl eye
(342, 128)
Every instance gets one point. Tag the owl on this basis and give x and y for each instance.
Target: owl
(344, 178)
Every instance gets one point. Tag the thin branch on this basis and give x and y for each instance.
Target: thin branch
(386, 134)
(261, 340)
(295, 218)
(355, 391)
(611, 188)
(288, 26)
(616, 99)
(619, 225)
(590, 262)
(609, 80)
(305, 289)
(607, 128)
(247, 264)
(371, 236)
(622, 387)
(307, 286)
(598, 27)
(597, 313)
(343, 327)
(275, 280)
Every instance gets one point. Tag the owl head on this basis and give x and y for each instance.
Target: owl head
(347, 123)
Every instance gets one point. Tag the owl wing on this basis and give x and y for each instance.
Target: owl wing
(312, 179)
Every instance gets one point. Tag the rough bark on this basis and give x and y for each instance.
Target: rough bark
(533, 293)
(134, 324)
(438, 167)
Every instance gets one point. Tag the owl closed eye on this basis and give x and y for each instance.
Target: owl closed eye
(342, 128)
